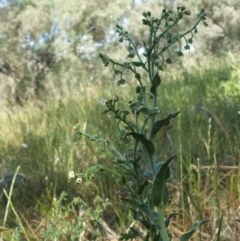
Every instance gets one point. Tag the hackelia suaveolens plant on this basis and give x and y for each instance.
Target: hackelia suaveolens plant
(138, 169)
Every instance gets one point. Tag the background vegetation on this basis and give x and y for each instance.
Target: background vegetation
(51, 79)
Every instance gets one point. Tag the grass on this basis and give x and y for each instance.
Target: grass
(205, 136)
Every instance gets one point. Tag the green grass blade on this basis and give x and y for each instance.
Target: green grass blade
(219, 228)
(195, 227)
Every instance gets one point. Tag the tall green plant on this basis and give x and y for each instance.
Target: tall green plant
(138, 169)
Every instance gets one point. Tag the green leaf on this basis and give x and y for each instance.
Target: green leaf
(195, 227)
(146, 143)
(155, 83)
(159, 191)
(158, 125)
(142, 187)
(137, 64)
(171, 215)
(219, 229)
(140, 206)
(105, 59)
(131, 55)
(143, 110)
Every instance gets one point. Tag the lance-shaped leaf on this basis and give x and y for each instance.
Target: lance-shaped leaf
(159, 191)
(155, 83)
(195, 227)
(158, 125)
(171, 215)
(142, 187)
(140, 206)
(219, 229)
(144, 110)
(148, 145)
(105, 59)
(137, 64)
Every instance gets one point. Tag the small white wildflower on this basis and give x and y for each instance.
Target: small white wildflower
(79, 180)
(24, 145)
(103, 102)
(76, 127)
(71, 175)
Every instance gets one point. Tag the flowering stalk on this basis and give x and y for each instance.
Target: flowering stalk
(138, 169)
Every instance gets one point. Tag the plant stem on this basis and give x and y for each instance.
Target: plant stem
(163, 229)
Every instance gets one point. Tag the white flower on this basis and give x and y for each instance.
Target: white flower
(102, 102)
(24, 145)
(79, 180)
(71, 175)
(77, 127)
